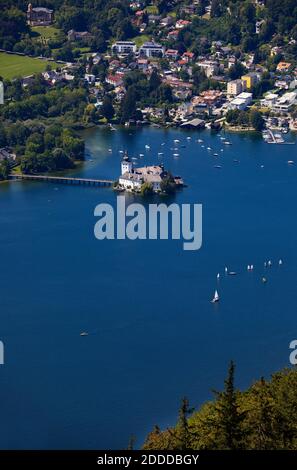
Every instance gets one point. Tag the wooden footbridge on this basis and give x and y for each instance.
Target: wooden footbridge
(62, 180)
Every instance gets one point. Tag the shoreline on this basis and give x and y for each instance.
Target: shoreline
(106, 126)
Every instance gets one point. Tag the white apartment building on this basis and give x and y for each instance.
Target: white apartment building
(124, 47)
(151, 49)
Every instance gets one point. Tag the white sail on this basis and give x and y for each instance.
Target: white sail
(216, 297)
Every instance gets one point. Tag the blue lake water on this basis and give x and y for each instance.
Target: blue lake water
(154, 335)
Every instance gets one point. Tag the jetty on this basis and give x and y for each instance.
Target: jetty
(274, 138)
(62, 180)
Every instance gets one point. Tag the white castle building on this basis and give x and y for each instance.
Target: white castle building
(133, 178)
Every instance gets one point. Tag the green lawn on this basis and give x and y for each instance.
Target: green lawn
(12, 66)
(152, 10)
(45, 32)
(139, 40)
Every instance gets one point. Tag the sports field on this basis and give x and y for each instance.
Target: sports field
(12, 66)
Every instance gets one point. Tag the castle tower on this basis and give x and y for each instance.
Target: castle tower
(127, 165)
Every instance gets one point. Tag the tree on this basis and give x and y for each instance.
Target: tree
(61, 159)
(73, 146)
(155, 80)
(236, 71)
(229, 417)
(65, 54)
(4, 169)
(215, 8)
(3, 137)
(128, 107)
(265, 420)
(107, 109)
(168, 184)
(256, 120)
(183, 425)
(146, 189)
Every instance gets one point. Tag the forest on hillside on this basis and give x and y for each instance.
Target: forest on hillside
(232, 21)
(260, 418)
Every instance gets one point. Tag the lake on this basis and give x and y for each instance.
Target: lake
(154, 336)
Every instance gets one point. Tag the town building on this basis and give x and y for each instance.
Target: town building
(52, 77)
(154, 19)
(7, 154)
(234, 87)
(180, 24)
(151, 49)
(39, 16)
(143, 64)
(167, 21)
(90, 78)
(115, 79)
(242, 101)
(124, 47)
(249, 80)
(285, 103)
(259, 26)
(269, 100)
(189, 9)
(283, 67)
(188, 56)
(210, 67)
(172, 54)
(73, 35)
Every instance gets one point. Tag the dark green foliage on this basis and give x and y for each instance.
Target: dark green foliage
(42, 148)
(146, 189)
(107, 109)
(230, 419)
(4, 169)
(168, 185)
(143, 92)
(236, 71)
(256, 120)
(40, 101)
(262, 418)
(251, 118)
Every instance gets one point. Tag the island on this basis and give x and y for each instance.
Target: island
(147, 180)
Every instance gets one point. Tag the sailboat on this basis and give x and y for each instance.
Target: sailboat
(216, 297)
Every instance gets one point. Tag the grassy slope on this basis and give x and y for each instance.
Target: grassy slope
(46, 32)
(12, 66)
(139, 40)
